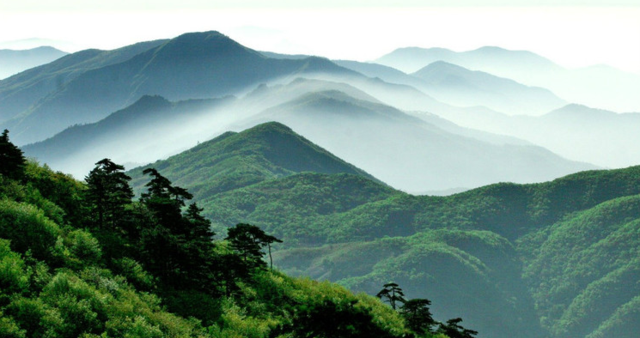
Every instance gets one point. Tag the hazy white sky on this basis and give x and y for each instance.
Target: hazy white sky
(571, 32)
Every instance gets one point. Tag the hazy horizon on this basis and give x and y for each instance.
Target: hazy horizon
(571, 33)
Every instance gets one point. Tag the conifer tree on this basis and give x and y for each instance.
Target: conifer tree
(12, 160)
(393, 293)
(249, 240)
(417, 315)
(108, 192)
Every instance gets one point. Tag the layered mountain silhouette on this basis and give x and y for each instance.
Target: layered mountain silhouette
(194, 65)
(149, 129)
(23, 91)
(461, 87)
(599, 86)
(16, 61)
(375, 136)
(577, 132)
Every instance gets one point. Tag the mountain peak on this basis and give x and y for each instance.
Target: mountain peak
(262, 152)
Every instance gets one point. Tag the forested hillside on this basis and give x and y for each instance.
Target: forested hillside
(82, 259)
(513, 260)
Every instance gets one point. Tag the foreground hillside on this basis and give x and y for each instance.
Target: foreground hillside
(513, 260)
(83, 260)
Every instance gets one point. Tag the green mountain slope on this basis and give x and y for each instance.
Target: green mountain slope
(64, 275)
(235, 160)
(467, 252)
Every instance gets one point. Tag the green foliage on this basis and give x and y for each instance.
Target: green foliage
(14, 277)
(28, 229)
(9, 329)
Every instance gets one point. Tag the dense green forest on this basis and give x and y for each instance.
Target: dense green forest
(84, 259)
(554, 259)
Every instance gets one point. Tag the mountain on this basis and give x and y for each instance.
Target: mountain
(16, 61)
(482, 254)
(376, 137)
(19, 92)
(598, 86)
(488, 255)
(387, 74)
(354, 126)
(67, 274)
(153, 127)
(233, 160)
(141, 133)
(577, 132)
(459, 86)
(494, 60)
(191, 66)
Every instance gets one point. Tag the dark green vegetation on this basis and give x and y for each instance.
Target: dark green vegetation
(84, 260)
(555, 259)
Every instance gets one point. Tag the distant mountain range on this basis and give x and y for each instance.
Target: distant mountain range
(15, 61)
(458, 86)
(487, 142)
(574, 131)
(461, 87)
(599, 86)
(191, 66)
(436, 154)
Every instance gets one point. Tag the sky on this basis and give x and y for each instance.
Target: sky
(573, 33)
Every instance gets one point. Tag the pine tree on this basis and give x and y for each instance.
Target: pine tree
(393, 293)
(108, 192)
(12, 161)
(417, 315)
(249, 240)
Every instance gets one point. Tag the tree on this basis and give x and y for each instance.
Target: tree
(165, 201)
(454, 330)
(108, 192)
(249, 240)
(178, 246)
(417, 315)
(393, 293)
(12, 161)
